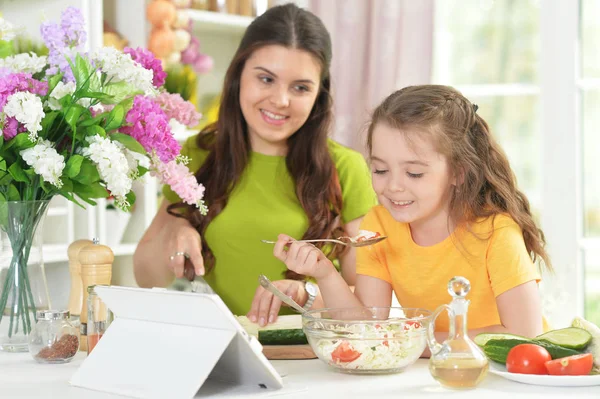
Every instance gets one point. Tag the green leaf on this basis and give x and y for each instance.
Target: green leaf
(130, 196)
(49, 120)
(115, 118)
(92, 121)
(73, 166)
(20, 142)
(71, 197)
(141, 170)
(13, 193)
(129, 142)
(121, 91)
(103, 97)
(94, 190)
(53, 81)
(17, 173)
(88, 173)
(2, 165)
(95, 130)
(72, 116)
(5, 178)
(1, 140)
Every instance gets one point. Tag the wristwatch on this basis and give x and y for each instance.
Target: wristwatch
(312, 291)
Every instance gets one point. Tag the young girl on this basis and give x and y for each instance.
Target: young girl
(449, 206)
(268, 167)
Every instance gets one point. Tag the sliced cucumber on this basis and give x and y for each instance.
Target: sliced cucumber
(287, 330)
(282, 337)
(498, 349)
(483, 338)
(570, 337)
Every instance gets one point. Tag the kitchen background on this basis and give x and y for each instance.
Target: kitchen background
(532, 66)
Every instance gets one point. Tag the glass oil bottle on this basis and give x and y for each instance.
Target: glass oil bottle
(456, 363)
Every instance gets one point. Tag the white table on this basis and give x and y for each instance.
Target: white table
(22, 377)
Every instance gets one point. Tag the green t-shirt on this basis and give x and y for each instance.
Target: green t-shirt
(261, 206)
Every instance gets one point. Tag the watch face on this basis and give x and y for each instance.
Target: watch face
(310, 288)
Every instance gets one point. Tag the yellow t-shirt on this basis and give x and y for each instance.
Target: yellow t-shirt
(492, 256)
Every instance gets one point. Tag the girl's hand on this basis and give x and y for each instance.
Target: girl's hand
(303, 258)
(183, 249)
(265, 306)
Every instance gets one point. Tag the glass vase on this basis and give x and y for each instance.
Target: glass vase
(23, 286)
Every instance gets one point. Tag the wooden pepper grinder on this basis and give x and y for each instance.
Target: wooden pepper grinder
(96, 269)
(76, 294)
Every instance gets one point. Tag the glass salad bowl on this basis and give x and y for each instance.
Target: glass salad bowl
(367, 340)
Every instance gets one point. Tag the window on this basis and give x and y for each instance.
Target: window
(534, 70)
(489, 50)
(589, 90)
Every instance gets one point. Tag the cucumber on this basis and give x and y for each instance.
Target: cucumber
(570, 337)
(282, 337)
(483, 338)
(287, 330)
(497, 349)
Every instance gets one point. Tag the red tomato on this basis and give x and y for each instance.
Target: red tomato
(527, 359)
(571, 365)
(413, 324)
(344, 353)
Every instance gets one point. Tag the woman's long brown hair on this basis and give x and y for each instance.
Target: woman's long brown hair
(308, 159)
(486, 183)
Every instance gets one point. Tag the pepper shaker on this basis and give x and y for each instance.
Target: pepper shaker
(76, 294)
(96, 269)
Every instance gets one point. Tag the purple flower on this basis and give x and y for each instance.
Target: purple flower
(73, 27)
(147, 60)
(64, 40)
(149, 125)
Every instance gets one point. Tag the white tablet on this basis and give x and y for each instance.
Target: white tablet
(167, 343)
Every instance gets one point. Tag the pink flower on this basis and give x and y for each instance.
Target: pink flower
(149, 125)
(182, 182)
(10, 128)
(15, 82)
(177, 108)
(147, 60)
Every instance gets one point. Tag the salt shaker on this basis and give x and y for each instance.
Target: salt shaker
(96, 269)
(76, 294)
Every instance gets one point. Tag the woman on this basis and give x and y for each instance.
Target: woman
(268, 166)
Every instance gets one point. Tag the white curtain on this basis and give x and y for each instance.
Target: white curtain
(378, 46)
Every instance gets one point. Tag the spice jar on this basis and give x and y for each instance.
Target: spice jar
(99, 318)
(53, 339)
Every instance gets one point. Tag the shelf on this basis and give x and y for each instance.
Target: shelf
(55, 253)
(219, 22)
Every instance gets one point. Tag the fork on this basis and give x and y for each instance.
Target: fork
(348, 241)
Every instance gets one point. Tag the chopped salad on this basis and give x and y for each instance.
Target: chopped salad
(371, 346)
(365, 235)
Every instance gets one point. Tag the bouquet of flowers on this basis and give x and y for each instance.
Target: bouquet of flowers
(83, 126)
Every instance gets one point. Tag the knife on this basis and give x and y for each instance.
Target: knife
(268, 285)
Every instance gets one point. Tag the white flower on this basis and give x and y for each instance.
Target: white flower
(119, 66)
(27, 108)
(27, 63)
(61, 90)
(7, 30)
(45, 161)
(112, 166)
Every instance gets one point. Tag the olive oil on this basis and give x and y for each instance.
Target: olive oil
(459, 373)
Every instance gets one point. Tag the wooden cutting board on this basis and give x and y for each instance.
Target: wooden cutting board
(288, 352)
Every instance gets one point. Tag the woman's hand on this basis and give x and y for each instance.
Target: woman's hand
(183, 247)
(302, 258)
(265, 306)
